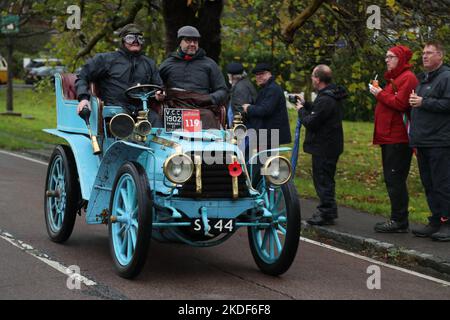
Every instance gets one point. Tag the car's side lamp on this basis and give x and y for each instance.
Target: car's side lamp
(121, 125)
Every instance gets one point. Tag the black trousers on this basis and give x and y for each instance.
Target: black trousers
(396, 160)
(434, 167)
(324, 170)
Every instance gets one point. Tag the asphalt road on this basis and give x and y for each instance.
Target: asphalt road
(173, 271)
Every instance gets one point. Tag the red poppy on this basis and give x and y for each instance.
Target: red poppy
(235, 169)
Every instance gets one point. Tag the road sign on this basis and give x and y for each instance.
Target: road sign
(341, 43)
(10, 24)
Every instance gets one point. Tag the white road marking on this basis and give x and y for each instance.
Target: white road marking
(63, 269)
(44, 258)
(23, 157)
(373, 261)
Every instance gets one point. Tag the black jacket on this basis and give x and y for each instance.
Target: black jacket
(242, 92)
(430, 123)
(323, 122)
(270, 112)
(114, 72)
(201, 75)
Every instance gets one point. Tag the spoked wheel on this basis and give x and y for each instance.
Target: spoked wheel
(62, 194)
(130, 225)
(274, 247)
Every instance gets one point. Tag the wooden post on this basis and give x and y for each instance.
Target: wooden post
(9, 90)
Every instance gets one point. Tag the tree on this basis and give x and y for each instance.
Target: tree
(30, 25)
(296, 35)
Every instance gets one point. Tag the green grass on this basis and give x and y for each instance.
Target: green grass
(18, 133)
(359, 177)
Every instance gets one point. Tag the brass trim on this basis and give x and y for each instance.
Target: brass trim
(266, 165)
(166, 163)
(95, 146)
(234, 181)
(167, 143)
(198, 173)
(247, 175)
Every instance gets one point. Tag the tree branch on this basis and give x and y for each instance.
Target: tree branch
(299, 21)
(110, 27)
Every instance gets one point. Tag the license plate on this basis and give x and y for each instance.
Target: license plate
(217, 226)
(185, 120)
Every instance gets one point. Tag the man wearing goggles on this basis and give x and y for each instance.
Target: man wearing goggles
(134, 39)
(114, 72)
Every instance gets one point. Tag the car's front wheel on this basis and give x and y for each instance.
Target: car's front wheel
(130, 223)
(274, 247)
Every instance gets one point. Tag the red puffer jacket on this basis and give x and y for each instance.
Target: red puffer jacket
(392, 103)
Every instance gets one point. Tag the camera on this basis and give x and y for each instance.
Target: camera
(293, 98)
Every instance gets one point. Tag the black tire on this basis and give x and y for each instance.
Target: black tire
(291, 239)
(144, 217)
(67, 204)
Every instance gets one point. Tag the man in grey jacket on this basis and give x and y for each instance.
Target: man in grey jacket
(190, 69)
(430, 134)
(114, 72)
(242, 90)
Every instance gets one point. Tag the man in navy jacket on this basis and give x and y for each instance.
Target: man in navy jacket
(269, 111)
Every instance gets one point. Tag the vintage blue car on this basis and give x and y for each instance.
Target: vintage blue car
(160, 183)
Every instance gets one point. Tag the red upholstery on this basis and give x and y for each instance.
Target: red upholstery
(68, 86)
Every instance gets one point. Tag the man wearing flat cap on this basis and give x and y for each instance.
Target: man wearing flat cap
(114, 72)
(269, 111)
(190, 69)
(242, 90)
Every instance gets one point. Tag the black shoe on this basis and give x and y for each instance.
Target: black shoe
(443, 234)
(426, 231)
(319, 220)
(391, 227)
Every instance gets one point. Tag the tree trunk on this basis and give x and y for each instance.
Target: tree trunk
(205, 17)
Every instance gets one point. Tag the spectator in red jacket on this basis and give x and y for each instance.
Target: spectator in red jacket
(391, 133)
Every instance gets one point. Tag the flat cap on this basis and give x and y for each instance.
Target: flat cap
(188, 31)
(130, 29)
(261, 67)
(235, 68)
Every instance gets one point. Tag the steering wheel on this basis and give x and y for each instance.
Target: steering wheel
(143, 91)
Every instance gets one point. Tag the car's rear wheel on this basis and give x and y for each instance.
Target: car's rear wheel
(62, 194)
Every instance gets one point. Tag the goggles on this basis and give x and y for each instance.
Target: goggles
(132, 38)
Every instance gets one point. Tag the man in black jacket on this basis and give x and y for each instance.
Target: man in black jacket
(114, 72)
(269, 112)
(430, 134)
(324, 140)
(190, 69)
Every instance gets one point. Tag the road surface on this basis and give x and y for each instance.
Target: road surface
(33, 267)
